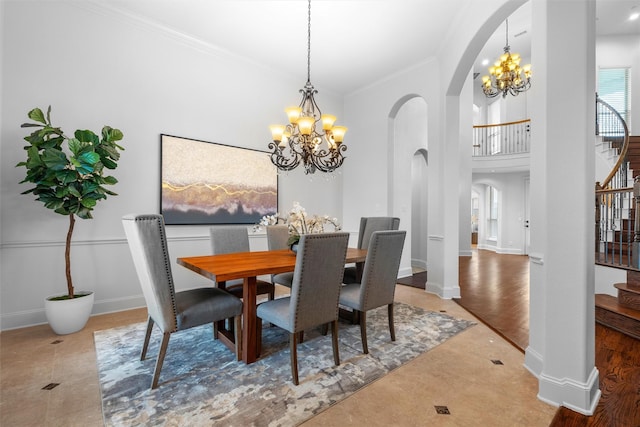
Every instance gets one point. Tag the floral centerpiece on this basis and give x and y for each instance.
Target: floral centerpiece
(299, 222)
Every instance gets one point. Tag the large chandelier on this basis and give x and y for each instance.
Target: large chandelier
(300, 141)
(506, 76)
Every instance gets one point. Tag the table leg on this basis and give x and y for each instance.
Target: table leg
(220, 325)
(249, 321)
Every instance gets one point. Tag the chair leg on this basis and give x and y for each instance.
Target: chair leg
(160, 360)
(259, 335)
(324, 328)
(238, 336)
(392, 329)
(147, 336)
(363, 331)
(301, 336)
(334, 341)
(294, 357)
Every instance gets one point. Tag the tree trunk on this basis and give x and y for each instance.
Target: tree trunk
(67, 255)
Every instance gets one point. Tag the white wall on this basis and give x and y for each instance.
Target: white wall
(98, 68)
(511, 211)
(386, 147)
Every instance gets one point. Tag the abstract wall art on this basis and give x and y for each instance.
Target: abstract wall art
(209, 183)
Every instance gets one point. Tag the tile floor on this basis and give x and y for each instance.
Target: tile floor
(458, 375)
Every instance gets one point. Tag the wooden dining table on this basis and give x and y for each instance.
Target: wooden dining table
(248, 266)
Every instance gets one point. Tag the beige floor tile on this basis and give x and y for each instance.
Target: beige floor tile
(457, 374)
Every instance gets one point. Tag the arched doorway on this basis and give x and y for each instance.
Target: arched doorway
(408, 172)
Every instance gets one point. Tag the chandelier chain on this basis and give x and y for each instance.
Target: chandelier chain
(506, 37)
(309, 44)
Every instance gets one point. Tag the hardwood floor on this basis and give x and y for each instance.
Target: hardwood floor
(495, 288)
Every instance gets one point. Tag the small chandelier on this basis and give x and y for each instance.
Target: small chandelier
(300, 141)
(506, 76)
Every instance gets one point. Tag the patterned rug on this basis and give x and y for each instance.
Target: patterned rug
(201, 383)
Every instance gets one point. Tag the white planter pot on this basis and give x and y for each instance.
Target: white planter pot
(69, 315)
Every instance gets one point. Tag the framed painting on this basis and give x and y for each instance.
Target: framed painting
(208, 183)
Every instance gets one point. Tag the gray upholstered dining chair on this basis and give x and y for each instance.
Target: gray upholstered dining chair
(379, 278)
(172, 311)
(225, 240)
(367, 226)
(277, 236)
(317, 279)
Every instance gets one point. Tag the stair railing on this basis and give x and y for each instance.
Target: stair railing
(615, 204)
(613, 129)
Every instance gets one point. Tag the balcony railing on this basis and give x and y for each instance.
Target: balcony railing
(502, 139)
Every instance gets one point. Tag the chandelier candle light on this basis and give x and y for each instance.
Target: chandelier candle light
(300, 141)
(506, 76)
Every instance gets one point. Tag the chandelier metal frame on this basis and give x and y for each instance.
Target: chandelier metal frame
(506, 76)
(299, 142)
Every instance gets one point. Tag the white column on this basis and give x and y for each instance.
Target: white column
(561, 349)
(443, 244)
(465, 153)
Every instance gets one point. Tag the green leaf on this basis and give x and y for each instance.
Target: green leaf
(110, 134)
(54, 159)
(75, 192)
(37, 115)
(90, 158)
(110, 180)
(87, 136)
(88, 203)
(66, 176)
(63, 211)
(108, 163)
(54, 204)
(84, 213)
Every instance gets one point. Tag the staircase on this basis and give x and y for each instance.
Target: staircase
(622, 313)
(615, 222)
(633, 155)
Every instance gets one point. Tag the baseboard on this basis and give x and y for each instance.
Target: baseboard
(579, 397)
(441, 291)
(405, 272)
(503, 251)
(26, 318)
(533, 361)
(418, 263)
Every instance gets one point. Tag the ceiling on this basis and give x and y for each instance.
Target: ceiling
(354, 43)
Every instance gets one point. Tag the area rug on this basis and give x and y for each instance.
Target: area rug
(202, 384)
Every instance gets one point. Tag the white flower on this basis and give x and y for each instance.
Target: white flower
(299, 222)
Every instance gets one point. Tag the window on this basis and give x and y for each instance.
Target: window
(492, 218)
(614, 89)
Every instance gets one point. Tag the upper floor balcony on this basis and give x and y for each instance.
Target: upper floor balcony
(502, 147)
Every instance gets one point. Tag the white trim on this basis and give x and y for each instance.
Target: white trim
(536, 258)
(441, 291)
(580, 397)
(419, 263)
(25, 318)
(533, 361)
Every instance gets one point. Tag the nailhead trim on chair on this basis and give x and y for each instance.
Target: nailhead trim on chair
(167, 267)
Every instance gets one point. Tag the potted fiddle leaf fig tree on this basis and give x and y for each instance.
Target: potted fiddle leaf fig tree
(69, 175)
